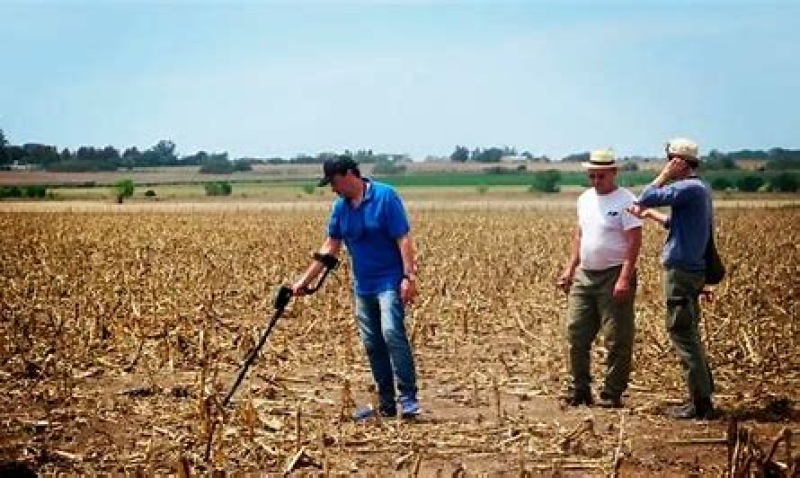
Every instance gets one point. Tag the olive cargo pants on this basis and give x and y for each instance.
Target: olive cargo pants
(592, 306)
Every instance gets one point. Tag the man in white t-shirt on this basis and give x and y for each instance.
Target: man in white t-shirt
(600, 278)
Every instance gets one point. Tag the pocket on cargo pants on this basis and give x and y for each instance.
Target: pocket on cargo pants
(680, 313)
(681, 289)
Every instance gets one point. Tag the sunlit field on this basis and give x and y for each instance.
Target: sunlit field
(121, 333)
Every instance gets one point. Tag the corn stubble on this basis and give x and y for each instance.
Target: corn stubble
(121, 333)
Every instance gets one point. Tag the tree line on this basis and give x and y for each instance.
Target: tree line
(109, 158)
(164, 153)
(493, 154)
(775, 159)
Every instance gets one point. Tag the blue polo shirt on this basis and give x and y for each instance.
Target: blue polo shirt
(689, 223)
(370, 233)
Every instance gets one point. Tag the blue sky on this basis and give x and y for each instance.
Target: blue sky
(282, 78)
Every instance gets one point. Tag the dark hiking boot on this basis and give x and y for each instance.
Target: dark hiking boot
(579, 397)
(608, 400)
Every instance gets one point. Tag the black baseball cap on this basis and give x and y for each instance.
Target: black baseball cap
(338, 165)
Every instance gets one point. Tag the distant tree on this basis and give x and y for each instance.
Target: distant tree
(41, 154)
(241, 165)
(460, 155)
(780, 159)
(577, 157)
(34, 192)
(546, 181)
(110, 154)
(165, 149)
(15, 153)
(3, 158)
(746, 154)
(388, 168)
(217, 164)
(305, 159)
(777, 159)
(219, 188)
(161, 154)
(363, 156)
(123, 189)
(719, 162)
(489, 155)
(784, 163)
(85, 158)
(196, 159)
(10, 192)
(130, 157)
(749, 183)
(3, 142)
(397, 158)
(721, 184)
(785, 182)
(132, 152)
(85, 153)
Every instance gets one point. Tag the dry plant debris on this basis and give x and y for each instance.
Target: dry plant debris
(121, 333)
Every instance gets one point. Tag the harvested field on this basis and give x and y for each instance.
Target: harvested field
(121, 332)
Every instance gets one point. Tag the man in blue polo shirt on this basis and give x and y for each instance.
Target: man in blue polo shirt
(689, 224)
(369, 218)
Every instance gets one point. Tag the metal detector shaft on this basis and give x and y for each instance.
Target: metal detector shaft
(281, 301)
(329, 263)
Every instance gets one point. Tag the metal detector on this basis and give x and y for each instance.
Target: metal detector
(282, 299)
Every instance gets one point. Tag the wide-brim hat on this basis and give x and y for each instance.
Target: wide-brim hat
(600, 159)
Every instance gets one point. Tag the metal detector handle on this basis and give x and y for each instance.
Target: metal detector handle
(283, 297)
(329, 262)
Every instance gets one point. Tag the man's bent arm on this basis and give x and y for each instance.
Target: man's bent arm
(330, 246)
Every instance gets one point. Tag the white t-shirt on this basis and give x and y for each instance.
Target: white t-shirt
(603, 220)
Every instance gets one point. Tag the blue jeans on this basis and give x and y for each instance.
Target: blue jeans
(381, 324)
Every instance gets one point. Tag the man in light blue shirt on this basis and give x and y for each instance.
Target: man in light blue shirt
(369, 218)
(689, 224)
